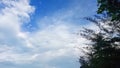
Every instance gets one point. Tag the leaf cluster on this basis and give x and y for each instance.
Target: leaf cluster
(111, 7)
(105, 44)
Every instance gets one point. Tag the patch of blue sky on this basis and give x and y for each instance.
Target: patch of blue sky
(48, 8)
(1, 6)
(45, 8)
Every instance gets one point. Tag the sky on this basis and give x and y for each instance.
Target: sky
(43, 33)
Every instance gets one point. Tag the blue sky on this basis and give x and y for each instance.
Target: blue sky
(48, 8)
(42, 33)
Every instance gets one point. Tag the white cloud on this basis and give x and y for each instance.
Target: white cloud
(11, 35)
(55, 35)
(17, 7)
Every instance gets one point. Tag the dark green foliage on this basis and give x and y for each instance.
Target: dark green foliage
(104, 49)
(111, 7)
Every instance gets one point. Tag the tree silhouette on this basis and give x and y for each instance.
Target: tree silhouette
(104, 49)
(111, 7)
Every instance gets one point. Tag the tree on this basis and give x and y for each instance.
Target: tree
(111, 7)
(104, 49)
